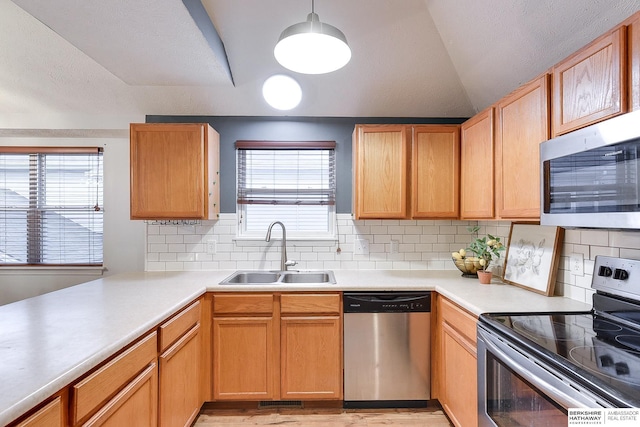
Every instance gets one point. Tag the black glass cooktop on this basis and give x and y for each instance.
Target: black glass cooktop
(599, 352)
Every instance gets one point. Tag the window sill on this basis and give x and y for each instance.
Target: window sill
(22, 270)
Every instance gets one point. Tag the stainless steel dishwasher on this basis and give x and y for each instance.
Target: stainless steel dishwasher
(387, 349)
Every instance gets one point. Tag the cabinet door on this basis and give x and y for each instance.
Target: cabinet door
(590, 85)
(179, 394)
(381, 168)
(435, 163)
(477, 168)
(311, 357)
(243, 358)
(460, 377)
(174, 171)
(522, 124)
(454, 367)
(136, 405)
(633, 38)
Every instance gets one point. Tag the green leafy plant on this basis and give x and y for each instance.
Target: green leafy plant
(486, 248)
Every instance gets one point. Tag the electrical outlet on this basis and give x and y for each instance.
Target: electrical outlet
(576, 264)
(393, 246)
(361, 247)
(211, 246)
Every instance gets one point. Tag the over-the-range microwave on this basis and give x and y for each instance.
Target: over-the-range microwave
(589, 177)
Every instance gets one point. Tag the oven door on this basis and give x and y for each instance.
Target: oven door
(514, 390)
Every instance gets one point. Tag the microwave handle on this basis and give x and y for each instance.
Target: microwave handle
(496, 347)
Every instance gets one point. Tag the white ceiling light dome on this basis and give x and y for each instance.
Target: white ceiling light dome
(282, 92)
(312, 47)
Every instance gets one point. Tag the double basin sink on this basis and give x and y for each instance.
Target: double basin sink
(258, 277)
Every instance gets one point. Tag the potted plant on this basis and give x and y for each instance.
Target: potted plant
(486, 249)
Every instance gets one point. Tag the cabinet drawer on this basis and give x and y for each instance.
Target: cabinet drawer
(48, 416)
(243, 303)
(459, 319)
(310, 303)
(95, 389)
(179, 325)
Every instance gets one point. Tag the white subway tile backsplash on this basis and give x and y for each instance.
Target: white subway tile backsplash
(421, 245)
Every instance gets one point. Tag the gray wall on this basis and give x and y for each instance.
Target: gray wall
(338, 129)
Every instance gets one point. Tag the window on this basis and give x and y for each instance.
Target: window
(291, 182)
(51, 209)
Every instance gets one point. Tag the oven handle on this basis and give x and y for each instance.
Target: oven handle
(496, 347)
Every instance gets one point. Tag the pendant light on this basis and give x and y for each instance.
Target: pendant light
(312, 47)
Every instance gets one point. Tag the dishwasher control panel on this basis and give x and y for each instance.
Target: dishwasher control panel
(387, 302)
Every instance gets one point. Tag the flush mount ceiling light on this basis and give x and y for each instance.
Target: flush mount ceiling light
(282, 92)
(312, 47)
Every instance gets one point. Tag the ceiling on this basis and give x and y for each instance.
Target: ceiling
(410, 58)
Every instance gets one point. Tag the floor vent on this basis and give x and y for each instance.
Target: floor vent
(266, 404)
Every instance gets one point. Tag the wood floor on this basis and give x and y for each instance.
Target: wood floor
(429, 417)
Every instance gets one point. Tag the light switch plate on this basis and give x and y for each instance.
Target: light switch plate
(576, 264)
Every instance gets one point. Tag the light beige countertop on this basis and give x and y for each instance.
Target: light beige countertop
(49, 341)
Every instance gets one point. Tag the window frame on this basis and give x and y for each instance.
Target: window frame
(331, 233)
(68, 267)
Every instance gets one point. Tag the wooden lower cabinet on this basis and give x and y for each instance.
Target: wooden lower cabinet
(117, 381)
(243, 358)
(51, 414)
(136, 405)
(455, 368)
(179, 391)
(277, 347)
(311, 360)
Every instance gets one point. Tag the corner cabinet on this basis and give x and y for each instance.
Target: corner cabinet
(174, 171)
(456, 372)
(591, 85)
(522, 123)
(477, 167)
(405, 171)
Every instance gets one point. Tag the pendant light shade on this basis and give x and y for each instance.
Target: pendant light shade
(312, 47)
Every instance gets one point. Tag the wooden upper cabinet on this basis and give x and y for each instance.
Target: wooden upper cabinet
(477, 167)
(381, 167)
(522, 123)
(591, 85)
(633, 42)
(174, 171)
(435, 161)
(405, 171)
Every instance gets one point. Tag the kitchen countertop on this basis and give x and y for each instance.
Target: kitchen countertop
(48, 341)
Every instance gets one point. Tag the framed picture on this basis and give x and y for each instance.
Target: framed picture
(532, 257)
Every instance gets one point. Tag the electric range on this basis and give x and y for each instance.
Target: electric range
(565, 360)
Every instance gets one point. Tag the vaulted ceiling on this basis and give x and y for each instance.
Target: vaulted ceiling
(410, 58)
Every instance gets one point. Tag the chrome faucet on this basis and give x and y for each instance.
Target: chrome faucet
(284, 263)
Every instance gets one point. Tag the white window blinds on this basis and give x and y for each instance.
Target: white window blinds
(51, 206)
(292, 182)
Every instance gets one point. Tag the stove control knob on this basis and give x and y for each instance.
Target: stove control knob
(620, 274)
(605, 271)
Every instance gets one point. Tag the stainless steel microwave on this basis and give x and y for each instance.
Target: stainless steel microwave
(589, 177)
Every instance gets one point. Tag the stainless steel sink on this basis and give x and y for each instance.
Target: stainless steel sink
(251, 277)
